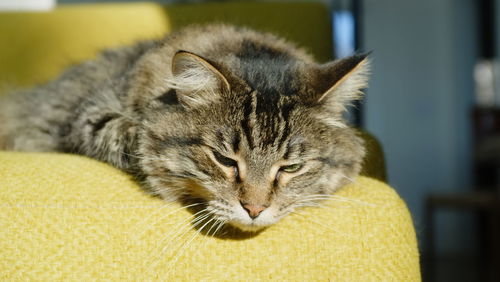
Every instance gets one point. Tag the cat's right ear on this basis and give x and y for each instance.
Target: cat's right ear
(338, 84)
(196, 80)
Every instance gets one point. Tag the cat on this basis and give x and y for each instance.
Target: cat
(243, 120)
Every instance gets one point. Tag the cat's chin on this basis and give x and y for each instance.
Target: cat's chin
(248, 227)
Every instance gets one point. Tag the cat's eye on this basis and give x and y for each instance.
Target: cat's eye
(225, 161)
(291, 168)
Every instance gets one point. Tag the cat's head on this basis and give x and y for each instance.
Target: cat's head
(253, 137)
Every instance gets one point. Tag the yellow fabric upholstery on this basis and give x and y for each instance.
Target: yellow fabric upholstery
(66, 217)
(38, 46)
(71, 218)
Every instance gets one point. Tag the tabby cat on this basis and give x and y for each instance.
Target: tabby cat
(242, 120)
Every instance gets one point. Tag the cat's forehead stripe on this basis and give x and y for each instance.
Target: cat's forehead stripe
(246, 122)
(235, 141)
(286, 109)
(264, 126)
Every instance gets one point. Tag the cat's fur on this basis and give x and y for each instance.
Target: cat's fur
(176, 109)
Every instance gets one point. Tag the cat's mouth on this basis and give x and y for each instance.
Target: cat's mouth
(248, 227)
(244, 221)
(252, 227)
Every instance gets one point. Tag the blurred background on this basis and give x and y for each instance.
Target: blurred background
(433, 103)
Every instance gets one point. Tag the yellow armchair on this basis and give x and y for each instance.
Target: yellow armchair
(67, 217)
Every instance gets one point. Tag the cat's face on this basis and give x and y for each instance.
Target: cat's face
(252, 150)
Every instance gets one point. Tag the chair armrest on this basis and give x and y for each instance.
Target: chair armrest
(67, 217)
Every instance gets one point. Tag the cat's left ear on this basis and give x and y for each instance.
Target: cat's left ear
(196, 80)
(341, 82)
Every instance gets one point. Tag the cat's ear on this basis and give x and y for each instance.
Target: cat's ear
(196, 80)
(341, 82)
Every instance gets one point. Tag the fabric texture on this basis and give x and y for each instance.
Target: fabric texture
(66, 217)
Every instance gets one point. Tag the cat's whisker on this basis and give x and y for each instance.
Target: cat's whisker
(342, 200)
(217, 224)
(314, 204)
(172, 193)
(178, 230)
(143, 158)
(316, 198)
(353, 200)
(134, 156)
(349, 178)
(184, 247)
(313, 200)
(182, 229)
(131, 156)
(186, 224)
(212, 226)
(150, 158)
(336, 197)
(221, 224)
(308, 219)
(134, 230)
(141, 224)
(307, 201)
(318, 195)
(354, 181)
(306, 204)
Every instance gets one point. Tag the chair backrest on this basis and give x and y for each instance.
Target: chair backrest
(37, 46)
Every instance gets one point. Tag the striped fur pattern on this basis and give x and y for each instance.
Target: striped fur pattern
(242, 120)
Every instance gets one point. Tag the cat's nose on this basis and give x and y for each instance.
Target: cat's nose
(253, 210)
